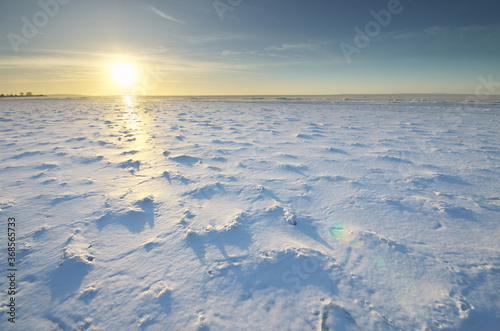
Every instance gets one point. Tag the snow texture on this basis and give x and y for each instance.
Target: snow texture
(252, 214)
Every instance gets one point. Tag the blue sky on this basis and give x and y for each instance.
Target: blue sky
(185, 47)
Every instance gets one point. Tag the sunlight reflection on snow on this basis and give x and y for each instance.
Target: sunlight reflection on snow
(130, 114)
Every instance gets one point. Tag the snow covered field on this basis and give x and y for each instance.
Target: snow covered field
(251, 214)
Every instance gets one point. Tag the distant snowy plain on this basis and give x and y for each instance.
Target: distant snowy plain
(251, 214)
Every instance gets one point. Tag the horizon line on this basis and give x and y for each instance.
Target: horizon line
(267, 95)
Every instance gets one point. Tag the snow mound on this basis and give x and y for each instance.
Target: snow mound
(186, 160)
(280, 211)
(134, 217)
(77, 250)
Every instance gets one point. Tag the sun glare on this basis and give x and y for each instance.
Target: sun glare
(123, 73)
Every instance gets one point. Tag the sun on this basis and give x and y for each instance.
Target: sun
(124, 73)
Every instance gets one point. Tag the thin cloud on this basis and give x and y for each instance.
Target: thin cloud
(476, 32)
(438, 31)
(230, 52)
(298, 46)
(202, 39)
(165, 16)
(285, 47)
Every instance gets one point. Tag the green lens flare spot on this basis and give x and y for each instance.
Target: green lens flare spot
(340, 233)
(337, 232)
(381, 262)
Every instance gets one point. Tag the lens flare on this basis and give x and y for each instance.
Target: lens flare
(340, 233)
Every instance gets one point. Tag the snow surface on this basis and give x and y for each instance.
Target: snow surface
(252, 214)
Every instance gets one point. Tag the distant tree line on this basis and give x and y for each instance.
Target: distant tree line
(21, 94)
